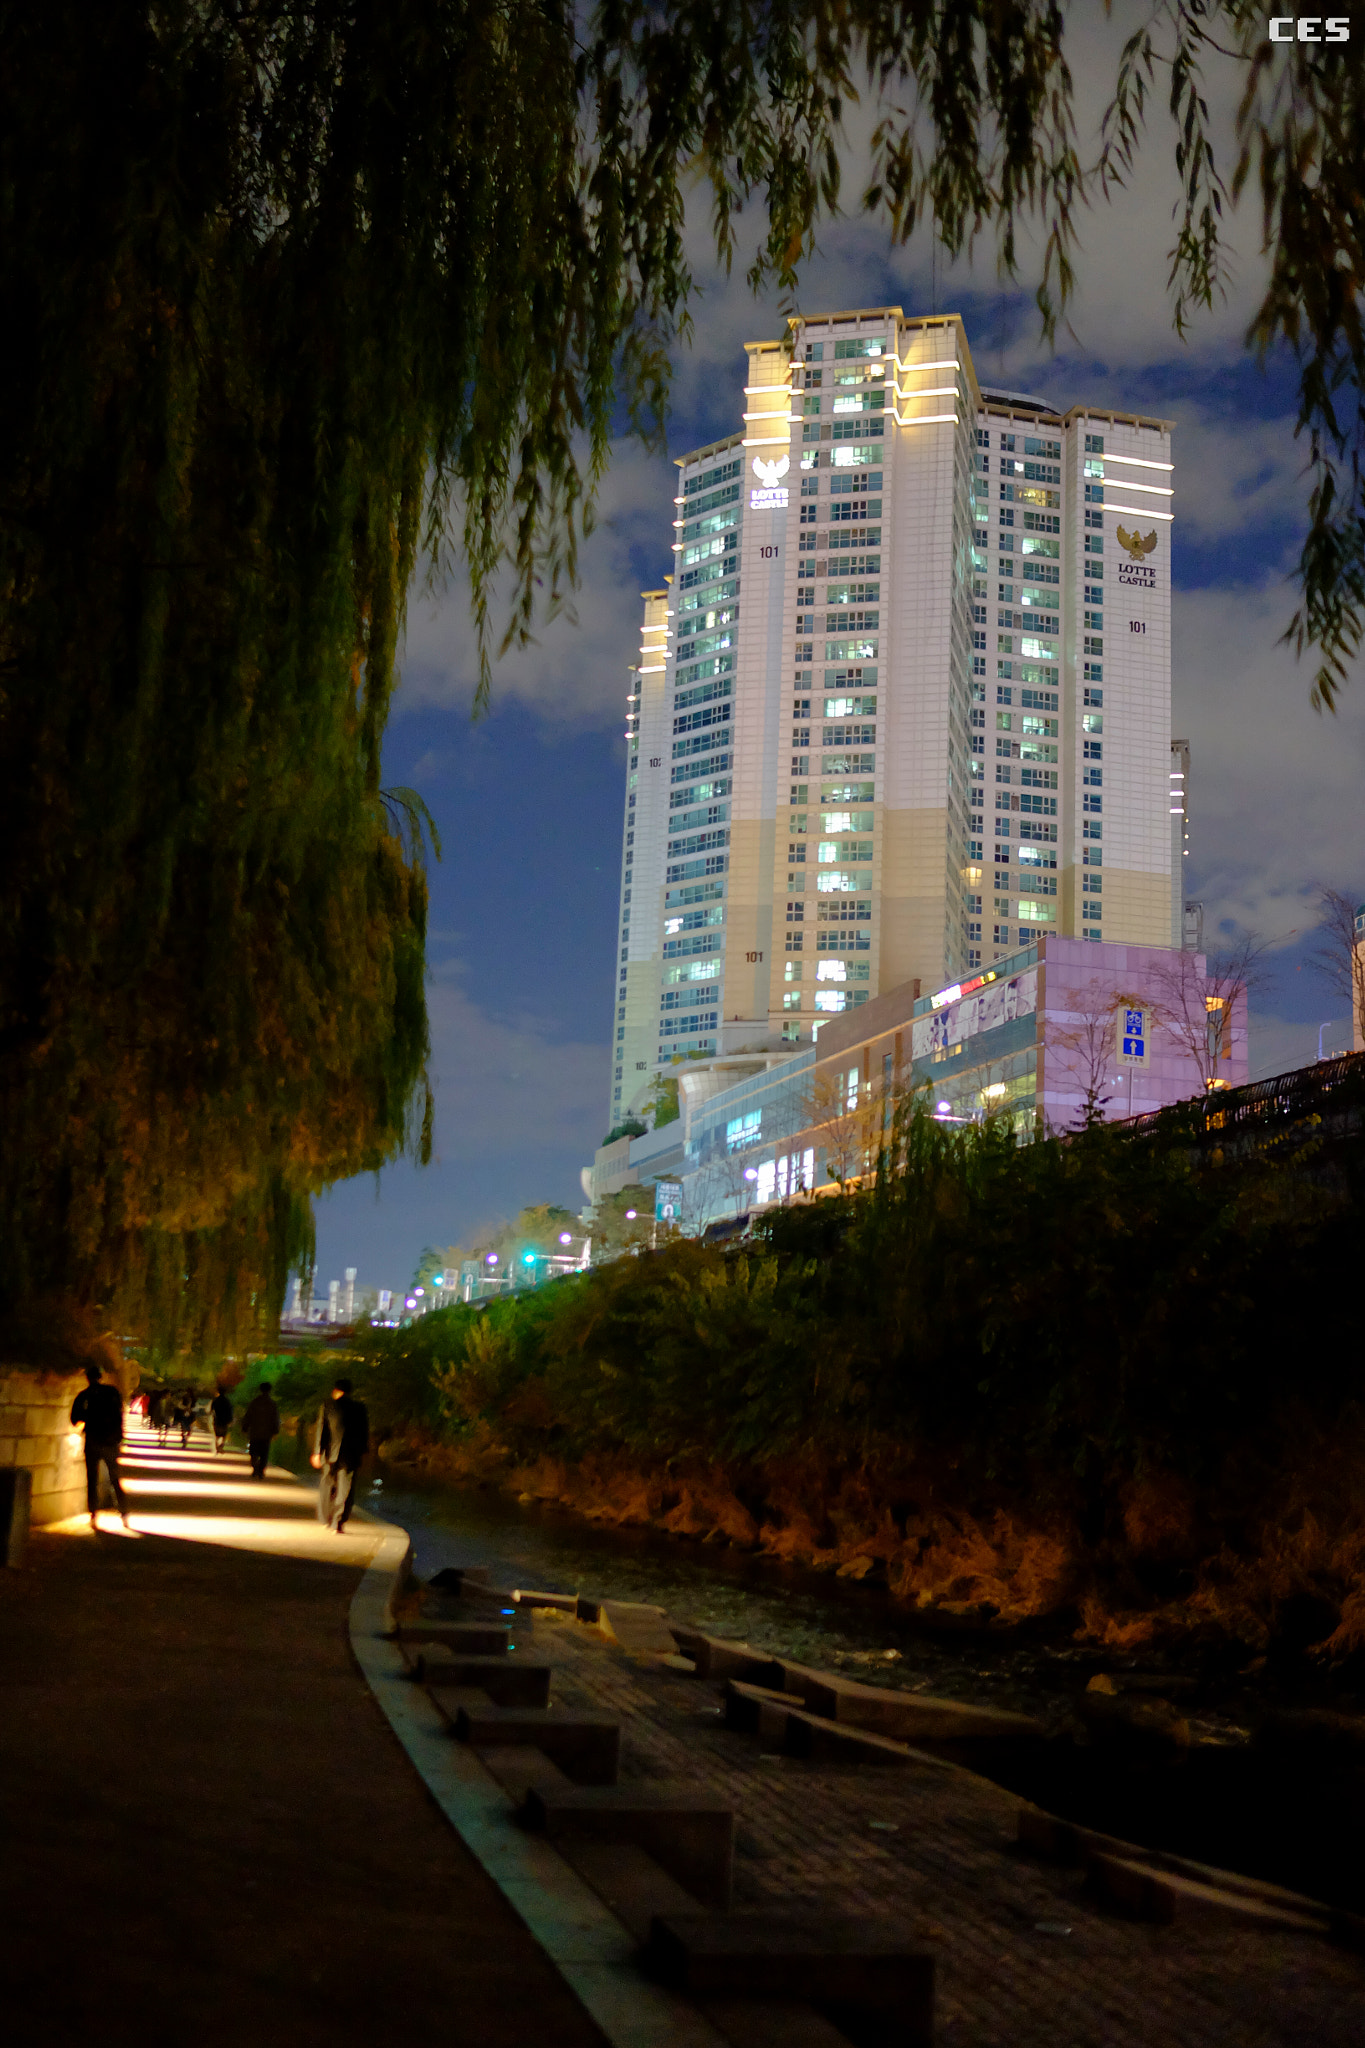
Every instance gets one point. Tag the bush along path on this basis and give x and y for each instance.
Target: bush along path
(1106, 1381)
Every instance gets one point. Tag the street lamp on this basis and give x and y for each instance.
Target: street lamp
(630, 1215)
(564, 1237)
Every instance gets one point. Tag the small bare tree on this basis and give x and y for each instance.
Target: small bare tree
(1339, 956)
(1085, 1038)
(1199, 1009)
(851, 1118)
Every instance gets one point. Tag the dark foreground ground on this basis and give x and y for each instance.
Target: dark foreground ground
(210, 1834)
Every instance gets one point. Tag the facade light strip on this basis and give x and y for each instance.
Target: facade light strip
(931, 391)
(1140, 461)
(951, 364)
(656, 670)
(772, 441)
(927, 419)
(1151, 490)
(1141, 511)
(767, 390)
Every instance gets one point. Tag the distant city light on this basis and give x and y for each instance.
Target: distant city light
(943, 1108)
(630, 1215)
(564, 1237)
(492, 1259)
(419, 1292)
(528, 1258)
(438, 1279)
(751, 1173)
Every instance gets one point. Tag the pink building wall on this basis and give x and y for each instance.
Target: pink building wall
(1078, 978)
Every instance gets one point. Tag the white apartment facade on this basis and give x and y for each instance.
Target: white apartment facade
(876, 735)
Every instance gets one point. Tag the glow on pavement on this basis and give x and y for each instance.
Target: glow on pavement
(276, 1516)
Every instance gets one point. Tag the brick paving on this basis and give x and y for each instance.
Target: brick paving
(805, 1837)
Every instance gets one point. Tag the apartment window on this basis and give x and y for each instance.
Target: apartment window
(1007, 443)
(796, 913)
(1094, 444)
(978, 664)
(1094, 749)
(1003, 697)
(1092, 721)
(1095, 697)
(983, 439)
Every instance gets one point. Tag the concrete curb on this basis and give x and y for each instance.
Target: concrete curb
(588, 1945)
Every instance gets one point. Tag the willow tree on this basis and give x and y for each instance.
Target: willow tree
(296, 298)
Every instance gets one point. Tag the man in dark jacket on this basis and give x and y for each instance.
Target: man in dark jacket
(220, 1408)
(260, 1423)
(98, 1409)
(341, 1438)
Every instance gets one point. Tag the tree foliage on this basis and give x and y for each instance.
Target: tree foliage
(299, 299)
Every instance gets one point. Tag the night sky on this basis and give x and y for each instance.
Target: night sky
(529, 798)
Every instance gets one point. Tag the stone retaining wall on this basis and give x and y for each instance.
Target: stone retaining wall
(35, 1430)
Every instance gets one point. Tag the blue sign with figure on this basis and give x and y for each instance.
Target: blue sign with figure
(1132, 1036)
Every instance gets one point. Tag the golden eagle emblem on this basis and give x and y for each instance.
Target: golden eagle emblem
(1137, 547)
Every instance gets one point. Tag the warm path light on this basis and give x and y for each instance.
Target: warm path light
(207, 1499)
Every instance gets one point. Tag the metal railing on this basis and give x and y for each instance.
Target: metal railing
(1332, 1089)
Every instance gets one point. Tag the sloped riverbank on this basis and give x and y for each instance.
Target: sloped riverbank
(1258, 1766)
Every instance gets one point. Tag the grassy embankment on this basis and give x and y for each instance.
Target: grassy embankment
(1097, 1378)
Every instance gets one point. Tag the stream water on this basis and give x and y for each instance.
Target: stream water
(1293, 1815)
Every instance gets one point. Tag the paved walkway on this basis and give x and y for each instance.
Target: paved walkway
(1025, 1957)
(211, 1835)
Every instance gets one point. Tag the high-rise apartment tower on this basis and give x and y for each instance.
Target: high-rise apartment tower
(904, 701)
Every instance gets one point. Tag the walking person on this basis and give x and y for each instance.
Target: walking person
(261, 1423)
(98, 1409)
(184, 1418)
(341, 1437)
(220, 1409)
